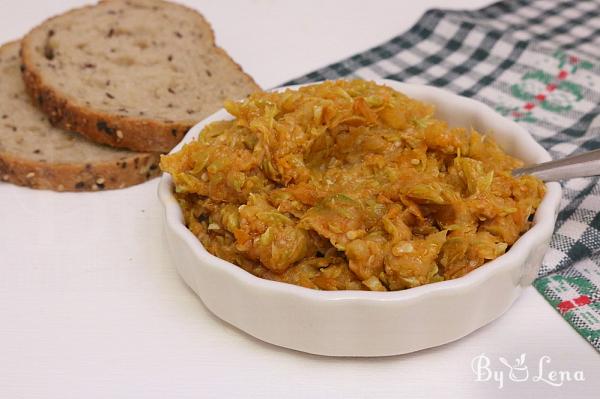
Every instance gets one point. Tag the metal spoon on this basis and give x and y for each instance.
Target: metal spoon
(580, 165)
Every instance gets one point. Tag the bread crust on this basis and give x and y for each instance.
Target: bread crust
(129, 171)
(134, 133)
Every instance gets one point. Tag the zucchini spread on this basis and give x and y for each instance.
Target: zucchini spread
(349, 185)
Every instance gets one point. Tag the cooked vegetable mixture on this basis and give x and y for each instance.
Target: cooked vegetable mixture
(349, 185)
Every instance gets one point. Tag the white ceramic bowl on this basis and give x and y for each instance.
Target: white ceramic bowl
(363, 323)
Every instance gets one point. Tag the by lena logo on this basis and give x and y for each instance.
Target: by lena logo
(519, 371)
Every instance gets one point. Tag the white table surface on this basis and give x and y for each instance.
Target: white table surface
(91, 305)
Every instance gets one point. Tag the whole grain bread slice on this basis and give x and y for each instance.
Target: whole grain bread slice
(130, 73)
(34, 153)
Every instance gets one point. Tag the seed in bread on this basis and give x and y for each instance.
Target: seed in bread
(33, 153)
(130, 73)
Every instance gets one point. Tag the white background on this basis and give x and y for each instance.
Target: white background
(91, 306)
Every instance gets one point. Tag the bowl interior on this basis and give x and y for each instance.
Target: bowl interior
(457, 111)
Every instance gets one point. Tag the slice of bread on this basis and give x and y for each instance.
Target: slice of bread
(130, 73)
(35, 154)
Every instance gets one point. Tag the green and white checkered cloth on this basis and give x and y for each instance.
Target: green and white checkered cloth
(537, 62)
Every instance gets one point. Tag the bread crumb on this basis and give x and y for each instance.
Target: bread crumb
(30, 175)
(100, 180)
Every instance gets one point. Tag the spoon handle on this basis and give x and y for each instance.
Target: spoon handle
(580, 165)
